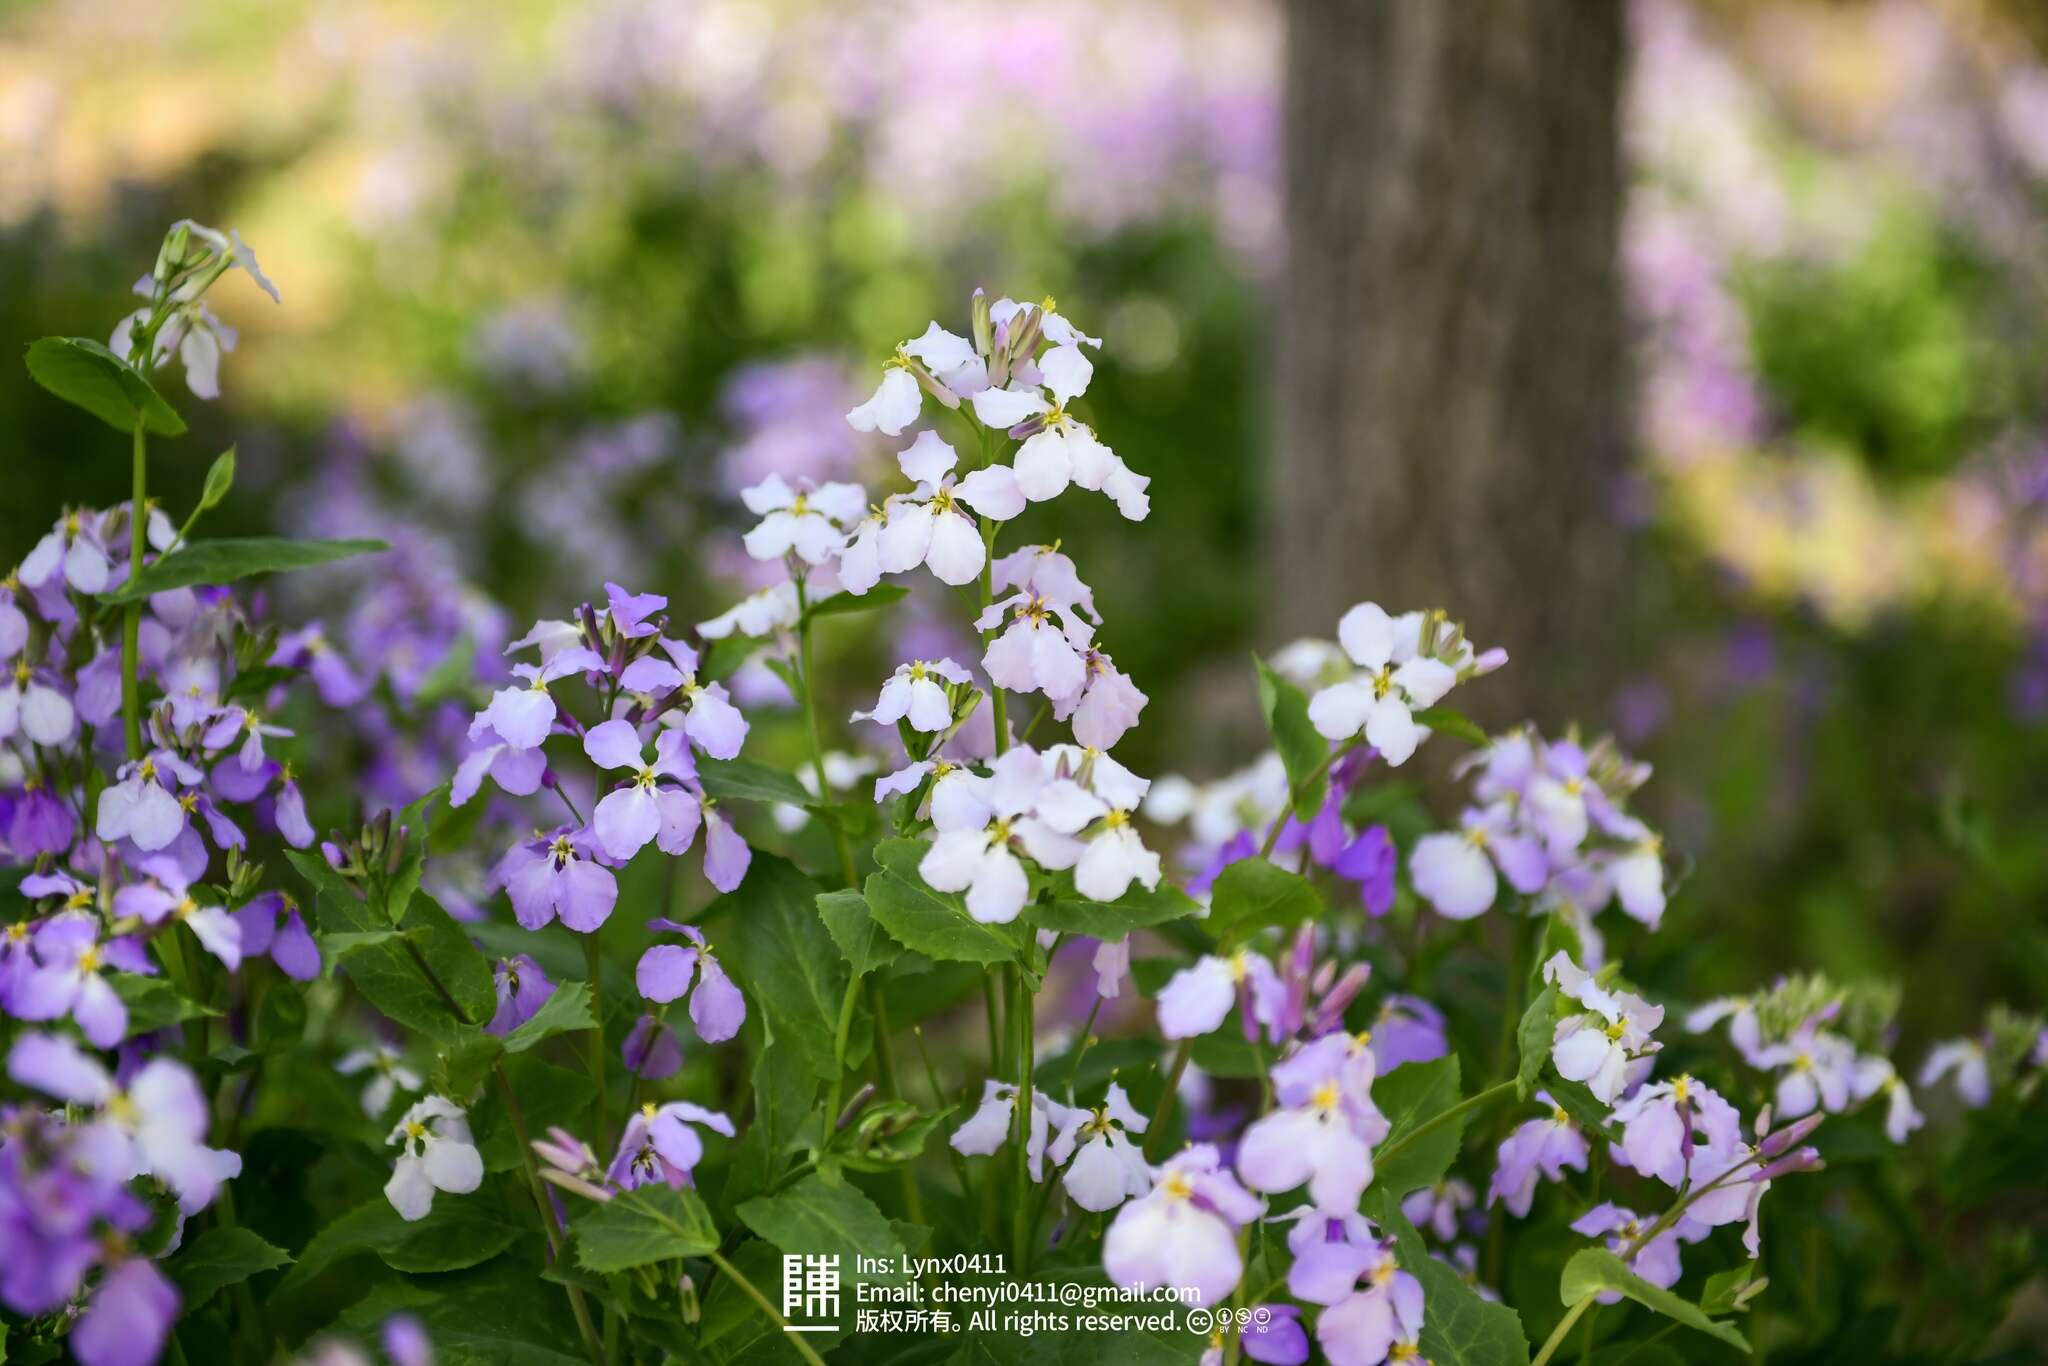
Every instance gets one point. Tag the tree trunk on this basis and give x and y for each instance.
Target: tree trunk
(1453, 411)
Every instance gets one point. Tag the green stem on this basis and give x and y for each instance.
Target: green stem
(805, 676)
(1000, 714)
(131, 618)
(545, 1208)
(1564, 1327)
(1081, 1049)
(796, 1340)
(1438, 1120)
(885, 1077)
(1294, 794)
(1157, 1131)
(1024, 1023)
(595, 964)
(839, 1038)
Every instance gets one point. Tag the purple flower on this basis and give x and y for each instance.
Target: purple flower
(1105, 706)
(159, 1119)
(1040, 650)
(1323, 1129)
(1278, 1339)
(517, 771)
(557, 875)
(1657, 1261)
(1373, 1304)
(167, 895)
(628, 613)
(405, 1342)
(1436, 1208)
(41, 823)
(522, 717)
(661, 1144)
(66, 981)
(1408, 1029)
(646, 808)
(522, 990)
(703, 711)
(1455, 872)
(1666, 1124)
(129, 1318)
(666, 971)
(308, 648)
(1538, 1148)
(1183, 1233)
(272, 924)
(652, 1050)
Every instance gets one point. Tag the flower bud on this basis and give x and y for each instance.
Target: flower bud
(929, 382)
(1028, 327)
(1799, 1160)
(1774, 1144)
(984, 326)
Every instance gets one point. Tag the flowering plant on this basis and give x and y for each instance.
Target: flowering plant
(1248, 1050)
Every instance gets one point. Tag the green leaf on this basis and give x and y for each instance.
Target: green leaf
(1452, 723)
(741, 780)
(651, 1224)
(1410, 1096)
(153, 1003)
(548, 1095)
(863, 942)
(845, 604)
(390, 977)
(783, 1093)
(1458, 1328)
(1533, 1037)
(935, 924)
(1137, 909)
(84, 372)
(219, 562)
(786, 957)
(1596, 1269)
(816, 1216)
(456, 1233)
(220, 477)
(217, 1259)
(256, 682)
(1729, 1292)
(339, 944)
(1253, 894)
(1303, 752)
(564, 1012)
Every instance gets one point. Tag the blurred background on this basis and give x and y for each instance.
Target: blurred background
(1693, 351)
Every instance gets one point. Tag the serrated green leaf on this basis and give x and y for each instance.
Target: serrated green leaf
(84, 372)
(1303, 751)
(785, 957)
(1533, 1038)
(651, 1224)
(846, 604)
(746, 781)
(455, 1233)
(220, 562)
(339, 944)
(818, 1217)
(1253, 894)
(1596, 1269)
(566, 1010)
(1113, 921)
(217, 1259)
(1458, 1327)
(935, 924)
(391, 977)
(865, 945)
(1411, 1096)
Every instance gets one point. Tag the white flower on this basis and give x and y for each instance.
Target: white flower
(389, 1075)
(1090, 796)
(1399, 678)
(1107, 1167)
(988, 1127)
(979, 858)
(917, 692)
(812, 521)
(1040, 650)
(759, 614)
(435, 1153)
(895, 405)
(1597, 1047)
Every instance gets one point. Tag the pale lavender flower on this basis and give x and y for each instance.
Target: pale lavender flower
(1374, 1306)
(272, 924)
(1184, 1232)
(666, 972)
(141, 806)
(811, 522)
(1323, 1128)
(661, 1144)
(167, 895)
(647, 807)
(917, 692)
(1437, 1208)
(558, 875)
(522, 716)
(652, 1050)
(988, 1128)
(1105, 706)
(67, 980)
(1969, 1062)
(522, 989)
(1198, 997)
(1597, 1047)
(129, 1316)
(1657, 1261)
(1454, 873)
(1539, 1149)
